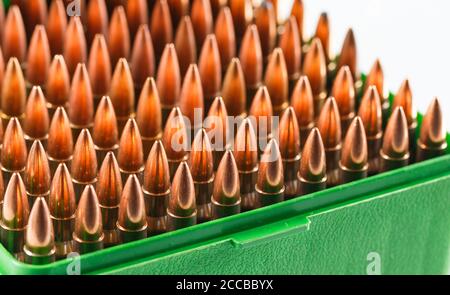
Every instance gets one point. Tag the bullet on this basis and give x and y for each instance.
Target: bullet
(121, 93)
(57, 88)
(323, 34)
(344, 93)
(2, 194)
(251, 60)
(13, 98)
(15, 215)
(81, 102)
(109, 192)
(14, 150)
(178, 9)
(149, 116)
(37, 122)
(353, 164)
(303, 103)
(156, 189)
(160, 27)
(233, 90)
(39, 245)
(56, 27)
(118, 36)
(266, 22)
(75, 48)
(176, 140)
(14, 36)
(182, 210)
(298, 11)
(131, 156)
(137, 15)
(99, 68)
(217, 127)
(97, 20)
(38, 59)
(376, 78)
(210, 70)
(2, 66)
(35, 13)
(394, 152)
(276, 81)
(261, 113)
(270, 182)
(225, 36)
(216, 6)
(349, 55)
(289, 139)
(432, 139)
(202, 170)
(404, 99)
(168, 80)
(185, 44)
(291, 45)
(202, 20)
(105, 134)
(88, 234)
(242, 13)
(62, 206)
(314, 67)
(191, 99)
(37, 174)
(312, 173)
(60, 140)
(132, 221)
(142, 62)
(84, 163)
(370, 113)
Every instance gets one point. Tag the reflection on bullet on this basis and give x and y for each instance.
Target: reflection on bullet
(160, 27)
(344, 93)
(14, 36)
(38, 59)
(291, 45)
(142, 58)
(323, 34)
(75, 48)
(233, 89)
(349, 55)
(226, 38)
(56, 26)
(261, 111)
(137, 15)
(276, 81)
(185, 44)
(13, 98)
(37, 174)
(99, 68)
(303, 103)
(57, 89)
(376, 78)
(217, 127)
(242, 13)
(297, 11)
(202, 21)
(60, 140)
(37, 122)
(118, 36)
(178, 9)
(266, 23)
(131, 156)
(14, 150)
(191, 99)
(97, 19)
(105, 134)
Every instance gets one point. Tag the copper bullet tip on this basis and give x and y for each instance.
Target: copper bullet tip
(148, 116)
(226, 189)
(323, 33)
(137, 15)
(39, 237)
(88, 220)
(302, 102)
(245, 147)
(13, 97)
(97, 19)
(37, 171)
(297, 11)
(201, 15)
(109, 184)
(261, 110)
(58, 83)
(376, 78)
(56, 26)
(315, 67)
(289, 135)
(81, 100)
(132, 206)
(16, 209)
(161, 28)
(75, 48)
(191, 96)
(175, 136)
(14, 150)
(432, 133)
(226, 38)
(370, 112)
(38, 60)
(270, 174)
(251, 57)
(291, 44)
(37, 120)
(182, 199)
(404, 99)
(14, 36)
(131, 155)
(218, 129)
(313, 164)
(396, 141)
(118, 35)
(84, 162)
(105, 133)
(329, 124)
(185, 44)
(122, 89)
(354, 150)
(62, 202)
(276, 80)
(344, 92)
(157, 175)
(233, 89)
(99, 66)
(265, 20)
(60, 140)
(349, 56)
(169, 78)
(210, 68)
(242, 13)
(201, 158)
(142, 61)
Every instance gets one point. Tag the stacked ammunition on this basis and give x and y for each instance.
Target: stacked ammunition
(140, 117)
